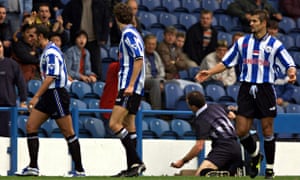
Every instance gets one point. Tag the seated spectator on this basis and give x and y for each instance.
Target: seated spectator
(26, 54)
(201, 38)
(78, 60)
(173, 59)
(284, 91)
(5, 32)
(155, 72)
(243, 8)
(180, 40)
(273, 28)
(290, 8)
(225, 78)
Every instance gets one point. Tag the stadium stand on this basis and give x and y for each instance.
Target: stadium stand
(182, 128)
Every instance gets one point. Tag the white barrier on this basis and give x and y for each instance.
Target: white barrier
(104, 157)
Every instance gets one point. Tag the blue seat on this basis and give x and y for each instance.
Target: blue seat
(225, 21)
(114, 52)
(296, 57)
(287, 126)
(49, 127)
(211, 5)
(233, 91)
(97, 88)
(95, 127)
(287, 24)
(173, 92)
(296, 94)
(168, 19)
(191, 5)
(151, 5)
(297, 40)
(81, 89)
(182, 129)
(292, 108)
(145, 105)
(225, 36)
(76, 103)
(171, 5)
(148, 20)
(22, 119)
(104, 53)
(193, 87)
(224, 3)
(193, 72)
(181, 105)
(287, 41)
(215, 92)
(183, 74)
(33, 86)
(280, 109)
(187, 20)
(147, 133)
(161, 129)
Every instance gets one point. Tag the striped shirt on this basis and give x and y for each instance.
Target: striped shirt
(212, 122)
(131, 48)
(259, 59)
(53, 64)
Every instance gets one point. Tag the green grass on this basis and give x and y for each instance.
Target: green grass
(147, 178)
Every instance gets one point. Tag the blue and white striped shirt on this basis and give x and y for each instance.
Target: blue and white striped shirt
(131, 47)
(259, 59)
(52, 64)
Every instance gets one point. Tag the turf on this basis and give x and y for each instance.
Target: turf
(147, 178)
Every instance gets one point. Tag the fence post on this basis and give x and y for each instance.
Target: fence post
(139, 132)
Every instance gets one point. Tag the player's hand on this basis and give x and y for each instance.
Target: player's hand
(177, 164)
(128, 91)
(32, 103)
(292, 78)
(202, 76)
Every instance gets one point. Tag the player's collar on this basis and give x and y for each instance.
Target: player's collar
(201, 110)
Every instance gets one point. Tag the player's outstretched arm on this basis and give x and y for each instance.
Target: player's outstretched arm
(205, 74)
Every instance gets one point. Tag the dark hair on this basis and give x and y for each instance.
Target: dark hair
(195, 98)
(123, 13)
(42, 29)
(81, 32)
(273, 24)
(170, 29)
(180, 34)
(263, 15)
(27, 26)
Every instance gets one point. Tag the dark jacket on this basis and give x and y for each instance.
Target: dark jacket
(73, 11)
(193, 45)
(27, 57)
(290, 8)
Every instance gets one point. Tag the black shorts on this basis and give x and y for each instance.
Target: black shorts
(54, 102)
(226, 154)
(131, 103)
(257, 100)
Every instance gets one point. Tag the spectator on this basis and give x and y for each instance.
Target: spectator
(16, 9)
(5, 32)
(284, 91)
(26, 54)
(211, 121)
(201, 38)
(55, 6)
(78, 60)
(227, 77)
(56, 39)
(179, 43)
(11, 77)
(273, 28)
(92, 17)
(155, 72)
(173, 60)
(243, 8)
(290, 8)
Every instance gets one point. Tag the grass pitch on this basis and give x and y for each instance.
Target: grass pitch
(147, 178)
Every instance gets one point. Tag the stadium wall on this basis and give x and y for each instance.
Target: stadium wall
(105, 157)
